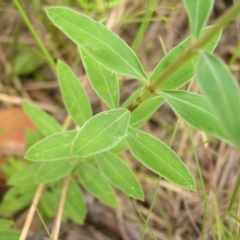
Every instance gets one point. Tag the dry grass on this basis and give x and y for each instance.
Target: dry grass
(176, 214)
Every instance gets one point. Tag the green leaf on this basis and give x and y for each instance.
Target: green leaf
(50, 199)
(26, 62)
(101, 132)
(187, 70)
(26, 176)
(223, 94)
(96, 184)
(117, 172)
(45, 124)
(198, 12)
(31, 137)
(75, 207)
(145, 110)
(74, 95)
(159, 158)
(103, 81)
(16, 199)
(120, 147)
(52, 148)
(5, 223)
(53, 171)
(100, 43)
(195, 110)
(9, 235)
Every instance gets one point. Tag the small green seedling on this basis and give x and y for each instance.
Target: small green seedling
(91, 156)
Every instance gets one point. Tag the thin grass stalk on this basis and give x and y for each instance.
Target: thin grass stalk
(35, 35)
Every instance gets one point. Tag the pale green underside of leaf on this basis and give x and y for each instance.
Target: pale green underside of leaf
(45, 124)
(75, 207)
(99, 42)
(223, 94)
(53, 148)
(101, 132)
(119, 174)
(74, 95)
(187, 71)
(96, 184)
(195, 110)
(103, 81)
(198, 12)
(53, 171)
(159, 158)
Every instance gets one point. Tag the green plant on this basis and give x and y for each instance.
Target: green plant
(91, 156)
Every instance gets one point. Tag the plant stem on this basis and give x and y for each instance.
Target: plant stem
(191, 51)
(31, 212)
(57, 221)
(201, 181)
(34, 33)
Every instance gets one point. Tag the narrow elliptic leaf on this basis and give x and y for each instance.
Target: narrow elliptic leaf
(99, 42)
(103, 81)
(101, 132)
(198, 12)
(195, 110)
(96, 184)
(159, 158)
(74, 95)
(145, 110)
(9, 234)
(45, 124)
(223, 94)
(26, 176)
(118, 173)
(53, 171)
(75, 207)
(52, 148)
(187, 70)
